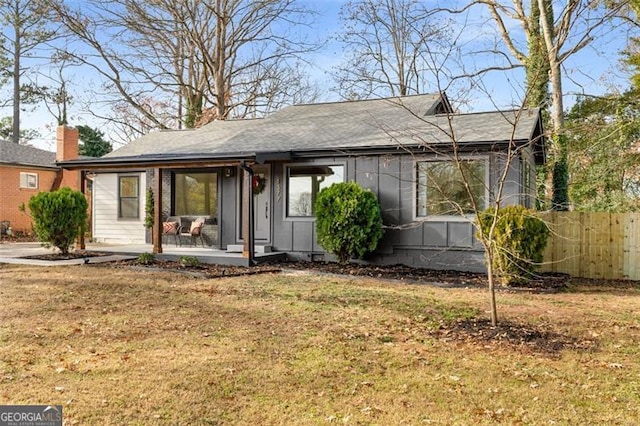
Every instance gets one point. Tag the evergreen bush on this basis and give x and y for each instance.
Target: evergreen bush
(149, 209)
(59, 217)
(520, 238)
(348, 220)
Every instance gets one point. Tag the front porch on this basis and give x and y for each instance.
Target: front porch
(203, 254)
(15, 253)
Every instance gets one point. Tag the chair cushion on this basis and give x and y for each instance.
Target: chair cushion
(170, 227)
(196, 226)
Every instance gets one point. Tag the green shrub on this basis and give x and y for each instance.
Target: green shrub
(149, 209)
(59, 217)
(348, 220)
(146, 258)
(188, 261)
(520, 238)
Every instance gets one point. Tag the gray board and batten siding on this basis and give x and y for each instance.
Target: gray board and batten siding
(435, 244)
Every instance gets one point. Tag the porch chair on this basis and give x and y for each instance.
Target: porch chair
(172, 227)
(194, 231)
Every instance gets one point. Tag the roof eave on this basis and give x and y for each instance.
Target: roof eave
(29, 165)
(151, 161)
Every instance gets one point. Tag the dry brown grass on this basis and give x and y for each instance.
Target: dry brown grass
(119, 346)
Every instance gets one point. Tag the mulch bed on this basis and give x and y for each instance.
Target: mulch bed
(206, 270)
(72, 255)
(524, 337)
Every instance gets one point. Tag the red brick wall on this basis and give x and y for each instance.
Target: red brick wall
(13, 196)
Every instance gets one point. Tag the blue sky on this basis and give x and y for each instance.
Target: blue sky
(594, 70)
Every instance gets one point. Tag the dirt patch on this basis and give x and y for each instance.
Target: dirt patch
(524, 337)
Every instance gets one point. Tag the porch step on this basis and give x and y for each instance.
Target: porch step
(237, 248)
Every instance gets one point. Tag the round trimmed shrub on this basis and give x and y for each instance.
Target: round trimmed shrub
(59, 217)
(348, 220)
(520, 238)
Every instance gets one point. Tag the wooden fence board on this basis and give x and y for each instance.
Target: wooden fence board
(593, 245)
(631, 268)
(617, 250)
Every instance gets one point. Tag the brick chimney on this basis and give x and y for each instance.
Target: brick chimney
(67, 147)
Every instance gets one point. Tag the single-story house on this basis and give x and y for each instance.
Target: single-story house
(26, 171)
(400, 148)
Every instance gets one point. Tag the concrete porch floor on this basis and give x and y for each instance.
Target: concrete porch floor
(15, 253)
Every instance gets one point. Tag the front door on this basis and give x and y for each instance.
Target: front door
(261, 206)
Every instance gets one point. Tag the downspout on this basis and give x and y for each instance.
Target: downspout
(250, 228)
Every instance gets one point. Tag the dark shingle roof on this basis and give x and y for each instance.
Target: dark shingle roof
(24, 155)
(375, 124)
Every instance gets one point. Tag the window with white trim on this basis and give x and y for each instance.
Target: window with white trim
(304, 182)
(441, 187)
(28, 180)
(129, 197)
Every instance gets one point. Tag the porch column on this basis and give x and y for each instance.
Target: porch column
(157, 211)
(247, 214)
(83, 189)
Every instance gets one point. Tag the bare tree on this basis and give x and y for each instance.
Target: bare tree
(238, 57)
(255, 55)
(553, 36)
(56, 93)
(26, 26)
(390, 47)
(103, 48)
(452, 172)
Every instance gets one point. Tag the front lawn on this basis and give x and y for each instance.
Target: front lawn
(120, 346)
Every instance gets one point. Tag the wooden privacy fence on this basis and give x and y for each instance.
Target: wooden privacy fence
(593, 245)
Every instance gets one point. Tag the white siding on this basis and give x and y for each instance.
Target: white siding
(107, 228)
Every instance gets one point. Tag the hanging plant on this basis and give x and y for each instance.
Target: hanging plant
(259, 182)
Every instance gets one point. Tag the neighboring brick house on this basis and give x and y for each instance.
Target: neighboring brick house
(26, 171)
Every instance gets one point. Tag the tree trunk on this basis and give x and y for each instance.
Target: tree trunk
(492, 290)
(560, 179)
(17, 52)
(221, 43)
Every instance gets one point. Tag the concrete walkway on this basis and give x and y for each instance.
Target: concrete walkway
(15, 252)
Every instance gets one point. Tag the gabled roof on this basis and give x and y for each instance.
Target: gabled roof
(303, 130)
(23, 155)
